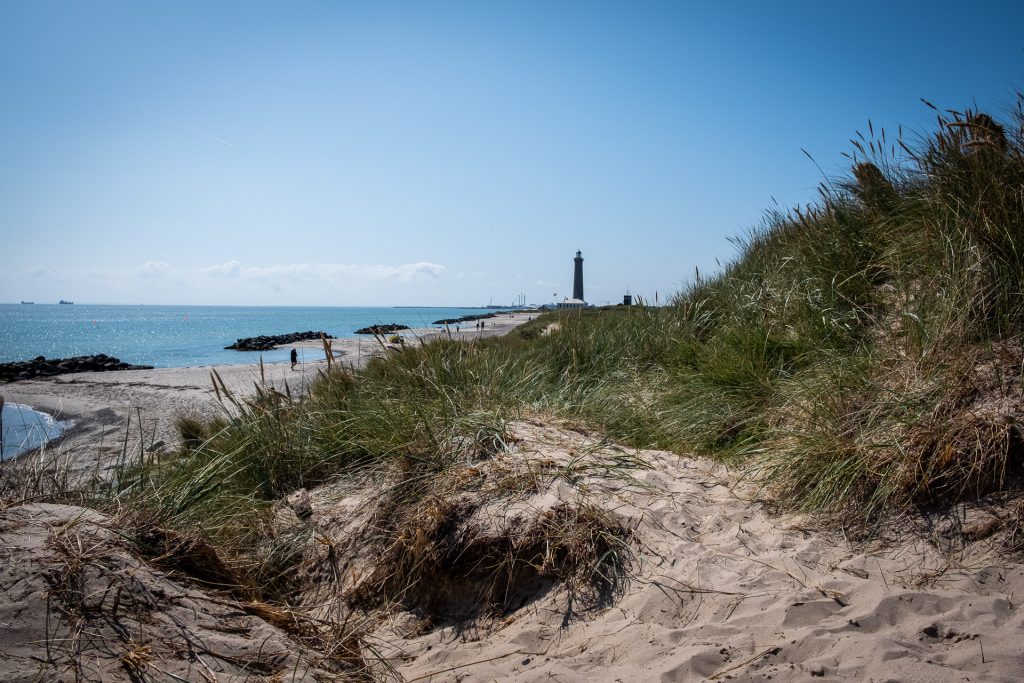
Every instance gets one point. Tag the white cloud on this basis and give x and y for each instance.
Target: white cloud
(404, 272)
(410, 270)
(229, 269)
(326, 271)
(153, 269)
(232, 281)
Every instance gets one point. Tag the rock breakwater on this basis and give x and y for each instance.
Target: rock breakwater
(382, 329)
(40, 366)
(476, 316)
(267, 342)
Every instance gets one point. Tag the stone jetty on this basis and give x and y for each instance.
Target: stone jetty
(40, 366)
(267, 342)
(382, 329)
(477, 316)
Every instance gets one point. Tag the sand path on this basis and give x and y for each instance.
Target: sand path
(724, 590)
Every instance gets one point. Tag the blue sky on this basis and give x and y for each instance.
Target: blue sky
(442, 153)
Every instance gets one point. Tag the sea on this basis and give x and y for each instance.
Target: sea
(23, 429)
(166, 337)
(183, 336)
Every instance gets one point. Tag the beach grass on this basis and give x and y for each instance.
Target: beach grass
(861, 357)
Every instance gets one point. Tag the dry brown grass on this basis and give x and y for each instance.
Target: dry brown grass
(436, 564)
(493, 529)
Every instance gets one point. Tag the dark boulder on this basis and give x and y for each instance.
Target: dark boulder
(267, 342)
(382, 329)
(476, 316)
(41, 367)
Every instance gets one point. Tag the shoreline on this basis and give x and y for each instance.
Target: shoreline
(716, 581)
(180, 336)
(142, 405)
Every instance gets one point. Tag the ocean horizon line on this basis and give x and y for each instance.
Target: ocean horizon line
(181, 335)
(96, 303)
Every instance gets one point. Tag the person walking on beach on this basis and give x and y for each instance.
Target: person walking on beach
(295, 358)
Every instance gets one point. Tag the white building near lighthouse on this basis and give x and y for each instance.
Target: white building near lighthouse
(577, 300)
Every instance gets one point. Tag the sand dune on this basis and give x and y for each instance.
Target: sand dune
(76, 604)
(722, 589)
(719, 589)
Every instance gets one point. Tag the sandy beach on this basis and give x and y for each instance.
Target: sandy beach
(720, 587)
(106, 407)
(725, 589)
(732, 389)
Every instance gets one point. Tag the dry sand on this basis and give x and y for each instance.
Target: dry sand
(722, 588)
(105, 407)
(725, 590)
(77, 604)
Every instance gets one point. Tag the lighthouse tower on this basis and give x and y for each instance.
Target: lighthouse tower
(577, 300)
(577, 278)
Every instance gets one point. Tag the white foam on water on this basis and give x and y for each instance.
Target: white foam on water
(25, 428)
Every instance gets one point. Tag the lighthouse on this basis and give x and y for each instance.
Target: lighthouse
(577, 277)
(577, 300)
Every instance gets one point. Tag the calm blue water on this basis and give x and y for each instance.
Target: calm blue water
(180, 336)
(23, 429)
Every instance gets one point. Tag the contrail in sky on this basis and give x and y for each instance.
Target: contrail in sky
(216, 139)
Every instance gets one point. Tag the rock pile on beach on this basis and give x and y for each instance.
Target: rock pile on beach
(382, 329)
(464, 319)
(476, 316)
(40, 366)
(267, 342)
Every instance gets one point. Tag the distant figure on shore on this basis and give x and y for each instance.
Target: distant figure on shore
(295, 358)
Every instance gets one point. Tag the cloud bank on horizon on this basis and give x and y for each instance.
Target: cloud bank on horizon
(158, 282)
